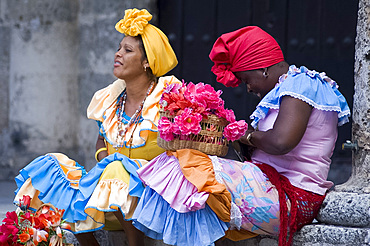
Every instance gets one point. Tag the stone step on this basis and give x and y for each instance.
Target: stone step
(310, 235)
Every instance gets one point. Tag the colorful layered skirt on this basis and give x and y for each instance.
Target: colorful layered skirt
(112, 185)
(194, 199)
(183, 197)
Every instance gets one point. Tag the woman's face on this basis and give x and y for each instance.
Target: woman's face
(256, 82)
(129, 60)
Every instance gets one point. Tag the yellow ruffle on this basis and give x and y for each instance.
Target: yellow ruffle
(103, 108)
(111, 194)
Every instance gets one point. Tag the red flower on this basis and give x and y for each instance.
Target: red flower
(32, 228)
(27, 216)
(25, 202)
(24, 237)
(11, 218)
(5, 233)
(8, 233)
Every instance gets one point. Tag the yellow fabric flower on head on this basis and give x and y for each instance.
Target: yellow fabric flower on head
(134, 22)
(159, 52)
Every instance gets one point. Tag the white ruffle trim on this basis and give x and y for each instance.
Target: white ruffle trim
(235, 214)
(259, 114)
(310, 102)
(235, 217)
(217, 167)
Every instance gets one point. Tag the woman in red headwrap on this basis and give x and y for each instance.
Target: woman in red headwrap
(195, 199)
(294, 125)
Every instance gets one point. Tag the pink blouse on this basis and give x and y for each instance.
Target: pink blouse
(307, 165)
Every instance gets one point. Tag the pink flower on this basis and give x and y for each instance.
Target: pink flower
(227, 114)
(11, 218)
(203, 94)
(165, 128)
(8, 233)
(172, 88)
(246, 209)
(169, 88)
(235, 130)
(188, 122)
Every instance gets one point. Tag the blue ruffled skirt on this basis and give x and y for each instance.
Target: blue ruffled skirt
(201, 227)
(56, 179)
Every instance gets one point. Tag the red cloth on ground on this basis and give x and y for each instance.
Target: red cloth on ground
(304, 204)
(245, 49)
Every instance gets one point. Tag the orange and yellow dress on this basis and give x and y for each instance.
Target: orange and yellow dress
(113, 184)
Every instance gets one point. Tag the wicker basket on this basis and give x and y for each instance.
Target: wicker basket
(209, 140)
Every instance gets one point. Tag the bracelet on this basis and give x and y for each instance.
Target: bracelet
(248, 138)
(98, 151)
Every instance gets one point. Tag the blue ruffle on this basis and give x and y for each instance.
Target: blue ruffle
(312, 87)
(48, 178)
(155, 217)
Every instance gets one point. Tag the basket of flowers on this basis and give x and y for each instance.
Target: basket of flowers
(193, 116)
(40, 228)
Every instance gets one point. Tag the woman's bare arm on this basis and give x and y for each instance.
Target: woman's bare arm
(288, 129)
(100, 143)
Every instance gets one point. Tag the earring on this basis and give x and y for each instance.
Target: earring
(145, 68)
(265, 74)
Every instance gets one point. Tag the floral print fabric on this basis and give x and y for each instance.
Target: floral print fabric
(254, 195)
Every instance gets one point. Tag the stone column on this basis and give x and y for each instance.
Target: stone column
(346, 210)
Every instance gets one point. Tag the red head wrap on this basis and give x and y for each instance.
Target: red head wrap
(245, 49)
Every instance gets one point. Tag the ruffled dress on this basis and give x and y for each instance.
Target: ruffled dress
(113, 183)
(194, 199)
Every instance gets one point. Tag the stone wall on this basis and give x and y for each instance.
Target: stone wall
(53, 56)
(39, 79)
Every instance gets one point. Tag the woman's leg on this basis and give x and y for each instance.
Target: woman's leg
(134, 236)
(219, 242)
(87, 239)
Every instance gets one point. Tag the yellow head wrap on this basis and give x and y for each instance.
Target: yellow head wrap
(158, 50)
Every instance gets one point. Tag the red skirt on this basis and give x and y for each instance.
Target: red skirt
(304, 204)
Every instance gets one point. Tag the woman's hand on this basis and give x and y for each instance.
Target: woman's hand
(288, 129)
(244, 139)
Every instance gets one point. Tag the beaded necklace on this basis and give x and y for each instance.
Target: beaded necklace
(122, 128)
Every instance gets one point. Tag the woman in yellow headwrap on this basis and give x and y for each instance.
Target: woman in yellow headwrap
(127, 113)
